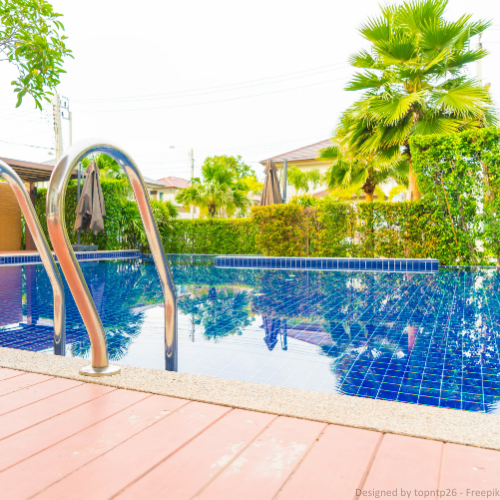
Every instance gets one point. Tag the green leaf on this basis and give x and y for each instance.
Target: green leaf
(362, 81)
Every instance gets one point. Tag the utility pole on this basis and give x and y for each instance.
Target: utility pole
(479, 69)
(191, 157)
(56, 104)
(285, 180)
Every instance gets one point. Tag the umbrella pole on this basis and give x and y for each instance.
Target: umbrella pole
(78, 197)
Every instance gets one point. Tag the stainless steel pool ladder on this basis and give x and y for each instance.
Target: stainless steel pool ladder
(10, 176)
(71, 269)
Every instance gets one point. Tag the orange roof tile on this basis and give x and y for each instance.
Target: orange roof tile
(174, 182)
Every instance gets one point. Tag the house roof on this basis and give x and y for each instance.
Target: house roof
(152, 184)
(29, 171)
(310, 152)
(173, 182)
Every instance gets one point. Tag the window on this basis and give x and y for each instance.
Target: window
(161, 196)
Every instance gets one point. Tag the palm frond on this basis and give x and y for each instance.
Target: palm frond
(398, 133)
(459, 60)
(330, 153)
(467, 99)
(437, 34)
(412, 14)
(474, 28)
(400, 49)
(399, 189)
(391, 110)
(437, 125)
(376, 30)
(363, 81)
(380, 193)
(491, 117)
(363, 59)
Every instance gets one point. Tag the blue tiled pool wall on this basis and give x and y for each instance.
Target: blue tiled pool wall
(117, 287)
(189, 259)
(422, 338)
(330, 264)
(418, 338)
(81, 256)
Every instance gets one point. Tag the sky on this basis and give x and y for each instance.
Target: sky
(220, 77)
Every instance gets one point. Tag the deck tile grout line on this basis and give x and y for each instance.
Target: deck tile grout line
(301, 461)
(441, 466)
(170, 454)
(78, 432)
(370, 464)
(114, 447)
(13, 376)
(203, 488)
(58, 414)
(51, 377)
(43, 399)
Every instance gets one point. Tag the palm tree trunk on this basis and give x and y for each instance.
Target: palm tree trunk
(414, 193)
(369, 197)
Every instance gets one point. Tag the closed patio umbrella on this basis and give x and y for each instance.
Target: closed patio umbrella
(271, 191)
(90, 209)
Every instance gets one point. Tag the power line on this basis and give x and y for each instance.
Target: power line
(220, 88)
(26, 145)
(232, 74)
(212, 102)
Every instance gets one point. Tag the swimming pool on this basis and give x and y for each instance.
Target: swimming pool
(417, 338)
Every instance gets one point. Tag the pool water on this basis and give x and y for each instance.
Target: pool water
(418, 338)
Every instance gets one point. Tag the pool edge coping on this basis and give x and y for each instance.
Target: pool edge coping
(441, 424)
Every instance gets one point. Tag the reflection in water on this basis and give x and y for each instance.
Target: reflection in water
(221, 312)
(419, 338)
(119, 289)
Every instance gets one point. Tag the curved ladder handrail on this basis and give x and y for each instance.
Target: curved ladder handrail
(71, 269)
(11, 177)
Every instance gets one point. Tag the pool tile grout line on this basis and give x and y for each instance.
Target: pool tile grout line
(428, 422)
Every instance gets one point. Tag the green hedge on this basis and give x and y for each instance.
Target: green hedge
(459, 176)
(457, 221)
(212, 236)
(115, 195)
(334, 229)
(123, 228)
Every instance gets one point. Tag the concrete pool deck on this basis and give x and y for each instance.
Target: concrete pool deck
(66, 438)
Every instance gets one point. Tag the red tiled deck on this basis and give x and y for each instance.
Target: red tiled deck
(64, 439)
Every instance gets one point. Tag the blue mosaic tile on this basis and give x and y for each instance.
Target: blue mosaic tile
(421, 338)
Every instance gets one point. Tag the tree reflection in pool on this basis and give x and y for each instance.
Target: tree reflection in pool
(418, 338)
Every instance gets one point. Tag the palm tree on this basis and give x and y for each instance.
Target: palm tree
(220, 192)
(415, 80)
(352, 171)
(190, 196)
(303, 180)
(108, 167)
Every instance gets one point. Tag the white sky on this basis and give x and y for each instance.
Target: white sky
(254, 79)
